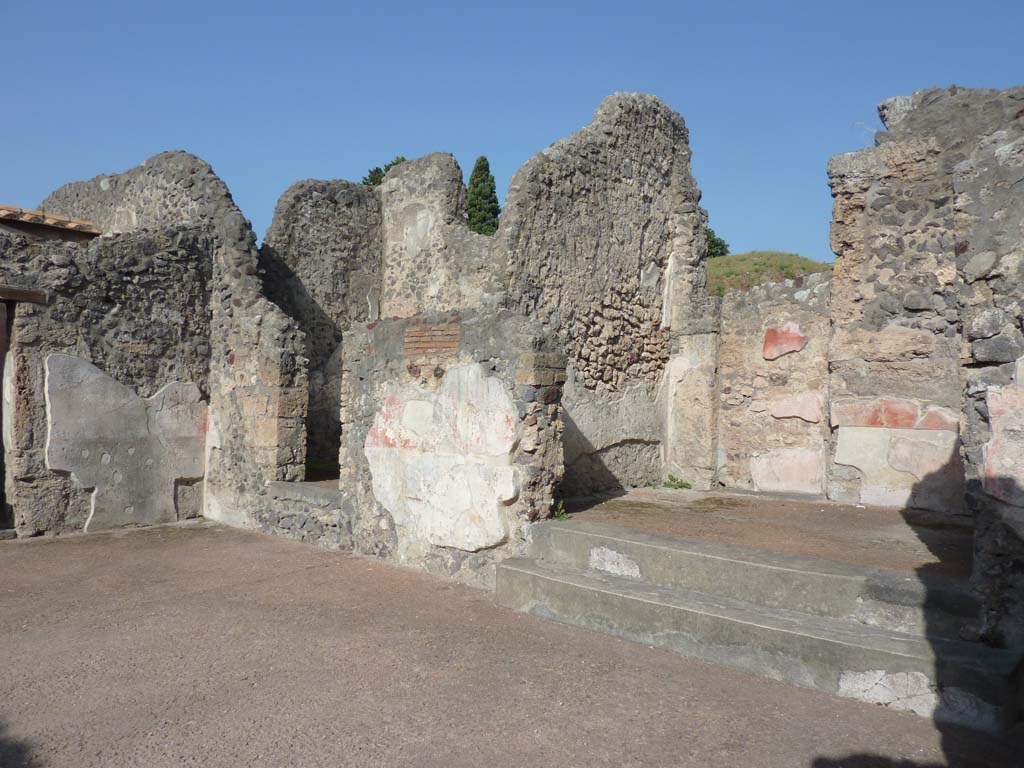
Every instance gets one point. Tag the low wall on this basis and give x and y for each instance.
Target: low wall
(451, 441)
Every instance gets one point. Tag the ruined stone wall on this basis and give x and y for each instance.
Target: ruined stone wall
(136, 306)
(604, 242)
(340, 253)
(928, 227)
(451, 438)
(433, 262)
(322, 262)
(894, 357)
(257, 373)
(773, 387)
(987, 167)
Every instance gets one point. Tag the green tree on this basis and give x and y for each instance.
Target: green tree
(482, 199)
(376, 175)
(716, 245)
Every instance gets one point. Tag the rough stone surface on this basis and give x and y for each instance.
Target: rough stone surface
(772, 383)
(136, 305)
(311, 512)
(322, 262)
(256, 377)
(432, 261)
(451, 437)
(934, 212)
(136, 455)
(604, 241)
(895, 300)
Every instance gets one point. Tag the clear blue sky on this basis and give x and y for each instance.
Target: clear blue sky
(270, 93)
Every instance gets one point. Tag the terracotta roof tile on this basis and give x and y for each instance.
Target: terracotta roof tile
(13, 213)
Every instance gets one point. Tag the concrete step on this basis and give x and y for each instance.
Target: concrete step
(951, 680)
(919, 604)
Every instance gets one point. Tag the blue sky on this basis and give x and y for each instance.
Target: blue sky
(270, 93)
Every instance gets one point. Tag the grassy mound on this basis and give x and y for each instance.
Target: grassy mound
(745, 270)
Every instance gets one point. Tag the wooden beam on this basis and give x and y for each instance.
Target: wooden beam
(11, 293)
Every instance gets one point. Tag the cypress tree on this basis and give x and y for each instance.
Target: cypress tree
(482, 199)
(375, 175)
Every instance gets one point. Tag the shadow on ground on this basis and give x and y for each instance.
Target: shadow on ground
(14, 753)
(957, 741)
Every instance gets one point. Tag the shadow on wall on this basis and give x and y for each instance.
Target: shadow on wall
(586, 474)
(14, 753)
(322, 347)
(951, 618)
(593, 471)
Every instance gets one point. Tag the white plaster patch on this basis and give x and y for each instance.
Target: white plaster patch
(789, 470)
(8, 403)
(893, 462)
(910, 691)
(610, 561)
(441, 461)
(128, 450)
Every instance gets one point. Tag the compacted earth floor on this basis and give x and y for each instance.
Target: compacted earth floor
(210, 646)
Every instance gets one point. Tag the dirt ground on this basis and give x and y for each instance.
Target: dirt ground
(213, 647)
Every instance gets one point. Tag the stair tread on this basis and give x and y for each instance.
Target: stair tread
(733, 552)
(836, 630)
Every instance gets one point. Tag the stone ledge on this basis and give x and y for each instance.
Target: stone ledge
(281, 490)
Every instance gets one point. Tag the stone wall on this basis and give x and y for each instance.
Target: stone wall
(322, 260)
(897, 382)
(340, 253)
(894, 357)
(257, 374)
(451, 438)
(920, 330)
(433, 262)
(773, 386)
(309, 512)
(136, 306)
(934, 212)
(604, 242)
(983, 133)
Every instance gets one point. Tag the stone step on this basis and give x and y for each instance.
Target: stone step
(951, 680)
(888, 599)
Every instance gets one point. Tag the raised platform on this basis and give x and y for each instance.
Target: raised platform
(865, 603)
(873, 537)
